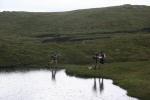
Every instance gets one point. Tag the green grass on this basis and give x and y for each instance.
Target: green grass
(92, 21)
(118, 48)
(133, 76)
(121, 31)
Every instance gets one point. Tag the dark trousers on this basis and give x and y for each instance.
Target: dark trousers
(101, 61)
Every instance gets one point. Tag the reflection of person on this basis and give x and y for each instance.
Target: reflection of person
(53, 74)
(101, 85)
(94, 86)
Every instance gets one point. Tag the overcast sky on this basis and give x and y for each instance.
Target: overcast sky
(62, 5)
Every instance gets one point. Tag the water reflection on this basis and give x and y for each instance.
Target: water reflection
(100, 84)
(53, 71)
(39, 85)
(95, 86)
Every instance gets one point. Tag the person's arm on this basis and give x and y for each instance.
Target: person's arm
(104, 55)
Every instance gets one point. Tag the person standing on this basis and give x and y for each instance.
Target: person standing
(102, 57)
(96, 58)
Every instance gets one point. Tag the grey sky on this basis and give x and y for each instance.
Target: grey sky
(62, 5)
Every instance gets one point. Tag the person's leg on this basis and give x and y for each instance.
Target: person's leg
(102, 61)
(96, 60)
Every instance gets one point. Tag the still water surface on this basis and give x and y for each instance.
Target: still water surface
(56, 85)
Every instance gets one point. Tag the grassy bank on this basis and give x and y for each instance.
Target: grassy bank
(133, 76)
(28, 39)
(118, 48)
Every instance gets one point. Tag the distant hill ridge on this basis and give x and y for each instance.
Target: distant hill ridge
(125, 18)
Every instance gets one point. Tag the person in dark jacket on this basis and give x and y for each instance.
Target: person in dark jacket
(54, 59)
(102, 57)
(96, 58)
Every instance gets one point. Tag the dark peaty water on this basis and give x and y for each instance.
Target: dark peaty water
(48, 85)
